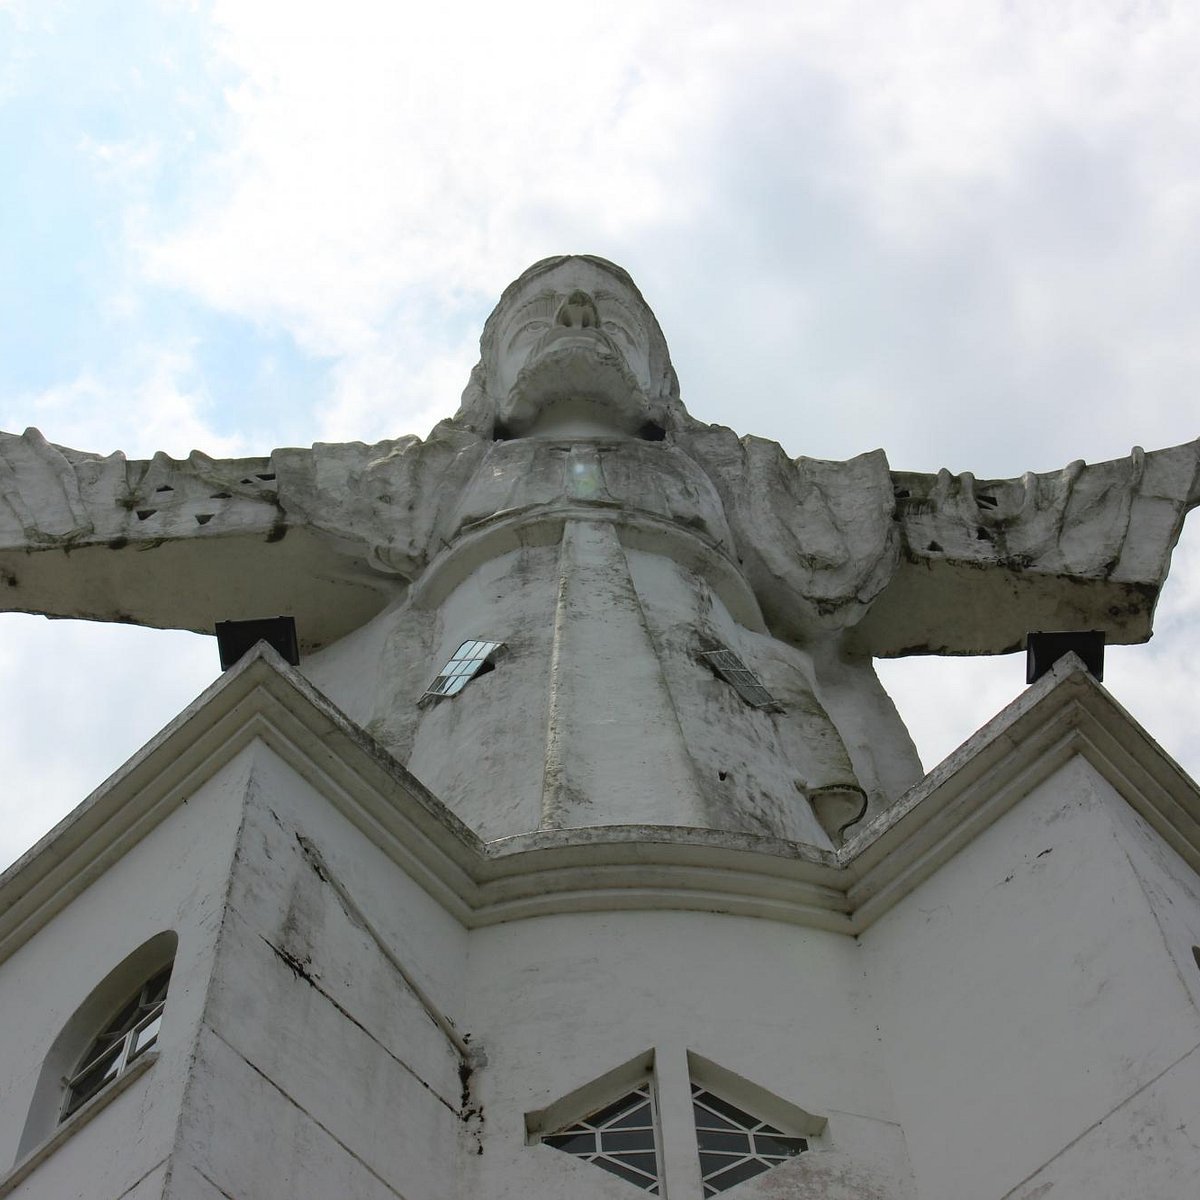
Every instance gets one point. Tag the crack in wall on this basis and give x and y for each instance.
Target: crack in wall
(358, 917)
(304, 1111)
(301, 970)
(213, 1183)
(142, 1178)
(1011, 1194)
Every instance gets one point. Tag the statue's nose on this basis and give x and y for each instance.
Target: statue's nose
(578, 311)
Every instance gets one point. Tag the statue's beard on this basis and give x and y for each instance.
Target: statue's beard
(575, 368)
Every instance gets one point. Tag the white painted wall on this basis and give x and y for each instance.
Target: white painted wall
(1026, 999)
(317, 1072)
(558, 1001)
(1024, 1024)
(172, 879)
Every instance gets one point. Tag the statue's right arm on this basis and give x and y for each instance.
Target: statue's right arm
(176, 543)
(985, 562)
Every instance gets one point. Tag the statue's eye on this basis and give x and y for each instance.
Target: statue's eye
(530, 327)
(538, 326)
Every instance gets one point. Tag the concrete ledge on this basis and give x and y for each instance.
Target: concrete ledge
(1067, 713)
(76, 1121)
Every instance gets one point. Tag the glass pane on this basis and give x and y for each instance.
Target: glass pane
(156, 989)
(106, 1040)
(465, 664)
(708, 1120)
(771, 1144)
(93, 1077)
(120, 1025)
(572, 1143)
(729, 1142)
(710, 1164)
(643, 1162)
(624, 1172)
(627, 1139)
(743, 1119)
(746, 1169)
(636, 1118)
(146, 1036)
(615, 1109)
(111, 1055)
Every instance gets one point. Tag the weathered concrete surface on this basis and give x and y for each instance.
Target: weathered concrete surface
(600, 767)
(560, 1001)
(318, 1072)
(571, 432)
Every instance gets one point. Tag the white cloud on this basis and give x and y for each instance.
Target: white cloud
(89, 696)
(398, 385)
(969, 194)
(965, 232)
(437, 152)
(157, 402)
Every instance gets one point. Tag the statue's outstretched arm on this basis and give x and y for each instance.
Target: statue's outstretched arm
(173, 543)
(984, 562)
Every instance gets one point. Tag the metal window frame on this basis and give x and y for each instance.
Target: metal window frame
(462, 666)
(643, 1092)
(747, 1123)
(729, 667)
(128, 1053)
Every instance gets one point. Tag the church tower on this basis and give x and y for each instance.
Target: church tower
(561, 839)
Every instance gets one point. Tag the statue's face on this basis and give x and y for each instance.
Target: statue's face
(576, 335)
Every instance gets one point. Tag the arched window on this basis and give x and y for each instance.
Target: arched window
(107, 1036)
(123, 1040)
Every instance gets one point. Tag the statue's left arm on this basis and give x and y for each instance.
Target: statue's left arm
(984, 562)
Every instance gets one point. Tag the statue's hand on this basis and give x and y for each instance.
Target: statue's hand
(41, 501)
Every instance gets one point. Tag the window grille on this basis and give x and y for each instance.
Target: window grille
(734, 1145)
(468, 661)
(621, 1138)
(128, 1036)
(730, 668)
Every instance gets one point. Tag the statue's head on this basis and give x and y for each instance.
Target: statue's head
(572, 340)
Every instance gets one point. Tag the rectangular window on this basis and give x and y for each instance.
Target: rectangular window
(467, 662)
(730, 668)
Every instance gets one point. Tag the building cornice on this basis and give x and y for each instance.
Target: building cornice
(1066, 714)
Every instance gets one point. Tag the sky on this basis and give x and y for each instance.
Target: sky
(966, 233)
